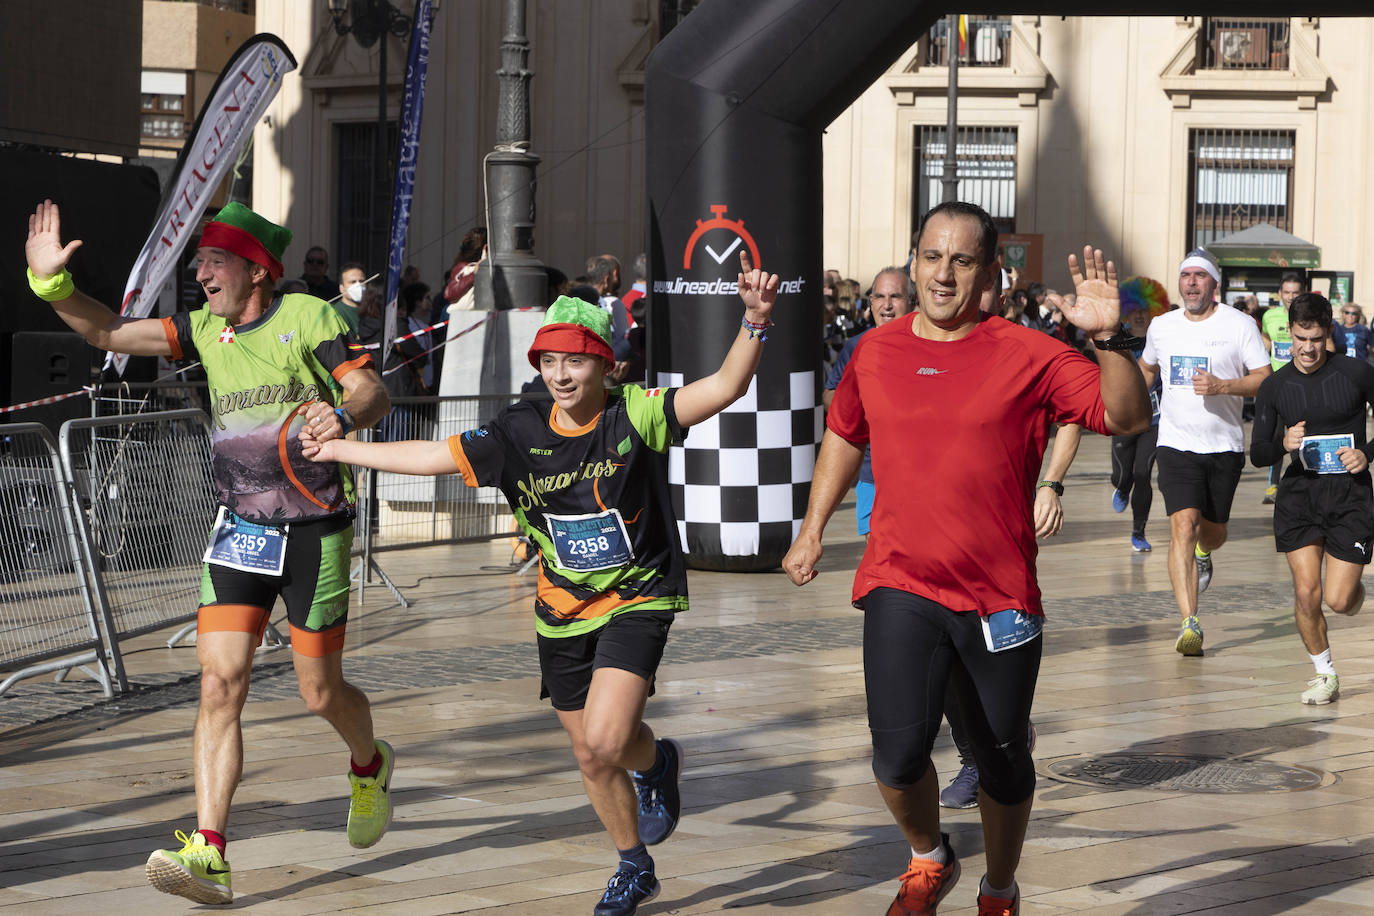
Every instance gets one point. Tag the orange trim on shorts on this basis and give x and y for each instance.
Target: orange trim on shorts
(169, 330)
(314, 644)
(460, 458)
(568, 607)
(232, 618)
(343, 369)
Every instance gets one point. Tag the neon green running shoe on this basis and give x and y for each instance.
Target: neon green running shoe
(1189, 640)
(369, 809)
(197, 872)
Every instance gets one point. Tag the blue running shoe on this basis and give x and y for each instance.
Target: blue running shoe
(1139, 544)
(962, 792)
(1120, 499)
(660, 802)
(627, 889)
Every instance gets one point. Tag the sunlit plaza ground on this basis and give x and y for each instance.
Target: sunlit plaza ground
(762, 683)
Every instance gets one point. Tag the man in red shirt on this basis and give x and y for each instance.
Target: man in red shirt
(956, 406)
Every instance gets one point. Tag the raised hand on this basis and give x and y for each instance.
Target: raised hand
(758, 289)
(44, 250)
(1097, 305)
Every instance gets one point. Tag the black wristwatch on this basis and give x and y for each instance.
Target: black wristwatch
(1121, 340)
(345, 419)
(1054, 485)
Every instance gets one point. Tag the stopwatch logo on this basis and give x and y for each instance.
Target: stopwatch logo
(727, 235)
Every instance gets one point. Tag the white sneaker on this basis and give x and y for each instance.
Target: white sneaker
(1321, 690)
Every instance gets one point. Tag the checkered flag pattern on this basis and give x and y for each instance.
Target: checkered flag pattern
(741, 479)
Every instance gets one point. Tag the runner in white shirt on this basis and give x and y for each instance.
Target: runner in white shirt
(1211, 359)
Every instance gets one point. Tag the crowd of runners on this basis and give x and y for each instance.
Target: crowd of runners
(952, 611)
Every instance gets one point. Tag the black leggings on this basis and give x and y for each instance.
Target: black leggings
(914, 650)
(1133, 459)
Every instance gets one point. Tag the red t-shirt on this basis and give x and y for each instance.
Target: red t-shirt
(958, 431)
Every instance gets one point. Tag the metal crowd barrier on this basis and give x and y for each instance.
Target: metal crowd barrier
(47, 609)
(396, 511)
(102, 532)
(147, 482)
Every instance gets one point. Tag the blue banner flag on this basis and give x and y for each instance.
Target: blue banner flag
(407, 155)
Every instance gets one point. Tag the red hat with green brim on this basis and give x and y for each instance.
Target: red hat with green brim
(573, 326)
(240, 231)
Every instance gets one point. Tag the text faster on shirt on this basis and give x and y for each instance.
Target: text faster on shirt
(958, 431)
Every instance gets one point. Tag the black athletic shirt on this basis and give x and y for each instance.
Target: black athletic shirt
(1330, 400)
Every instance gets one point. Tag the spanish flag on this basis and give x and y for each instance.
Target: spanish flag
(963, 35)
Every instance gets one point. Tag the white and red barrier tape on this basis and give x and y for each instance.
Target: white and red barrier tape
(44, 401)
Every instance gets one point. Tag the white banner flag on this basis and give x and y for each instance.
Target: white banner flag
(240, 97)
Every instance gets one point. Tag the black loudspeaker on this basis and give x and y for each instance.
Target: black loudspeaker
(33, 539)
(44, 364)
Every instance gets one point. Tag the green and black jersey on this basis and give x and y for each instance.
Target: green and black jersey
(260, 375)
(595, 500)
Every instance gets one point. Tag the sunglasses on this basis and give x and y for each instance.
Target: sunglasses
(317, 260)
(1349, 312)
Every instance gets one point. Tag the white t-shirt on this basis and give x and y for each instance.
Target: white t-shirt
(1227, 344)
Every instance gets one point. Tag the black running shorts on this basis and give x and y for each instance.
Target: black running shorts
(1206, 482)
(633, 641)
(1337, 509)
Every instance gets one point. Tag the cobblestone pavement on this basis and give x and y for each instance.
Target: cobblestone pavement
(37, 701)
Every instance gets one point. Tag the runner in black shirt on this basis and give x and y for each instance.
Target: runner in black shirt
(1314, 408)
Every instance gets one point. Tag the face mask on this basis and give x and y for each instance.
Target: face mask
(354, 292)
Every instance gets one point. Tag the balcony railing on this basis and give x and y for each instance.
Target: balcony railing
(1243, 44)
(987, 43)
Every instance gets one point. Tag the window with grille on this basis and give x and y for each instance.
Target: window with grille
(985, 166)
(987, 42)
(364, 203)
(1243, 44)
(671, 12)
(1238, 178)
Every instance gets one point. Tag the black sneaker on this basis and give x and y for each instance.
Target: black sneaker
(660, 803)
(627, 889)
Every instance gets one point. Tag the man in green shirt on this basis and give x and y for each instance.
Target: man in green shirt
(275, 366)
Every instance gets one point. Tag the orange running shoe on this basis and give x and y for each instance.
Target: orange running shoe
(998, 906)
(925, 884)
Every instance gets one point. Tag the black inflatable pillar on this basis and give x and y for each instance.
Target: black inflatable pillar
(736, 98)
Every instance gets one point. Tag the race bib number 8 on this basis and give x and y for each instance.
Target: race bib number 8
(243, 545)
(1318, 453)
(1181, 369)
(586, 543)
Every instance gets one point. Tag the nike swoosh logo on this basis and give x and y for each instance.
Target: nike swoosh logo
(211, 870)
(720, 258)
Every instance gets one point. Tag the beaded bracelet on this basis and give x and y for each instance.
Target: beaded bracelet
(55, 288)
(756, 329)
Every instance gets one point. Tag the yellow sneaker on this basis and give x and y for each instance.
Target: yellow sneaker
(369, 807)
(197, 871)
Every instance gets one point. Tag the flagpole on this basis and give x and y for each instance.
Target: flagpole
(950, 180)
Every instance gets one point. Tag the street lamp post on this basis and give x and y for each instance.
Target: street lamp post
(367, 21)
(511, 276)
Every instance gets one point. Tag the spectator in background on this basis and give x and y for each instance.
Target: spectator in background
(315, 273)
(352, 277)
(603, 273)
(464, 270)
(288, 287)
(399, 380)
(634, 300)
(410, 274)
